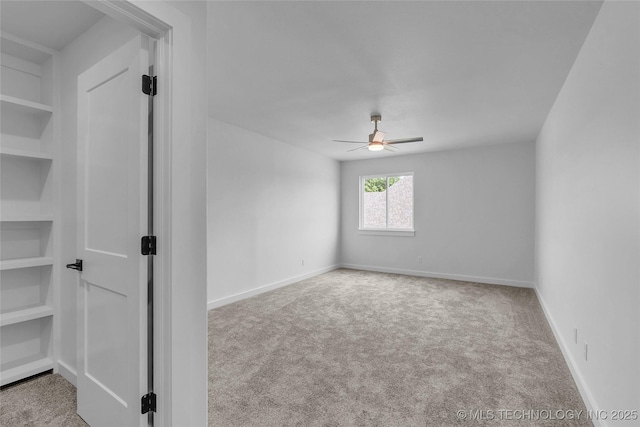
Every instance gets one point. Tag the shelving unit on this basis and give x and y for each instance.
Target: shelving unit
(24, 106)
(24, 153)
(27, 215)
(25, 314)
(13, 264)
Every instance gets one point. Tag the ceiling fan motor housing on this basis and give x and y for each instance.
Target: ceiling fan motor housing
(377, 136)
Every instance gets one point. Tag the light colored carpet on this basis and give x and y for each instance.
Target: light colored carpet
(355, 348)
(48, 400)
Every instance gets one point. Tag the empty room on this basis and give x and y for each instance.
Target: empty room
(345, 213)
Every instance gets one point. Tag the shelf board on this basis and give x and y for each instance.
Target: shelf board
(23, 104)
(25, 49)
(25, 153)
(26, 218)
(26, 314)
(26, 367)
(11, 264)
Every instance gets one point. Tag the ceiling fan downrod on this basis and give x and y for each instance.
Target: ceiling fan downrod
(377, 136)
(375, 118)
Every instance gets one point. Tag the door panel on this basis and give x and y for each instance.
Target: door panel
(106, 318)
(112, 132)
(106, 155)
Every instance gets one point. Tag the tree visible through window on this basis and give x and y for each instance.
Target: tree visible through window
(376, 185)
(386, 202)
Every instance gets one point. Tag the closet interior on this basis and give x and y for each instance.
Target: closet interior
(32, 233)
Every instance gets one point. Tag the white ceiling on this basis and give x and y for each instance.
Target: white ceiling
(457, 73)
(53, 24)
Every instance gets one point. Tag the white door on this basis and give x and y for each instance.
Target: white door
(112, 177)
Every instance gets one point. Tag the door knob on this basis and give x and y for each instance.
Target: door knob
(76, 265)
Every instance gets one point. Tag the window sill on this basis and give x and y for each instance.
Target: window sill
(404, 233)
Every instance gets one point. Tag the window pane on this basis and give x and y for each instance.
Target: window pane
(374, 203)
(400, 194)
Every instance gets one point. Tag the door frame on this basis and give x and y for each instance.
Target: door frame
(180, 380)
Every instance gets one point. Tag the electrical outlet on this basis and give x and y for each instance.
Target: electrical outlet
(419, 260)
(586, 350)
(575, 335)
(303, 262)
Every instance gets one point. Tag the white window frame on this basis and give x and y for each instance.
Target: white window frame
(406, 232)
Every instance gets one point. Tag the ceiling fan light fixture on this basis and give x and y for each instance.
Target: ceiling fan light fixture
(376, 146)
(376, 139)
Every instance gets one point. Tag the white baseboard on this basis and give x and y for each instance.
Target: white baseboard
(477, 279)
(67, 372)
(265, 288)
(587, 397)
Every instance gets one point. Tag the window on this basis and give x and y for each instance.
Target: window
(386, 204)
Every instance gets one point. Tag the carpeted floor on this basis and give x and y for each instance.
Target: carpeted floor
(355, 348)
(47, 400)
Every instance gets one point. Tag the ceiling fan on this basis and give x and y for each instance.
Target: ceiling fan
(377, 141)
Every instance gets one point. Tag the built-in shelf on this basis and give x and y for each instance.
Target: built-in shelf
(11, 264)
(26, 314)
(28, 198)
(25, 153)
(26, 217)
(24, 105)
(24, 49)
(23, 368)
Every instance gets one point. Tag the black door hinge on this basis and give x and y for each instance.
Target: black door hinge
(148, 403)
(149, 85)
(148, 245)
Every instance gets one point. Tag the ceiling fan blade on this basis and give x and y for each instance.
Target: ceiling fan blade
(378, 136)
(353, 142)
(402, 141)
(364, 146)
(390, 148)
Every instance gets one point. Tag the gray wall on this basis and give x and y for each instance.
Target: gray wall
(270, 205)
(588, 211)
(474, 215)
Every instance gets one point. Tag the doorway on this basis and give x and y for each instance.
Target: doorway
(69, 329)
(181, 220)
